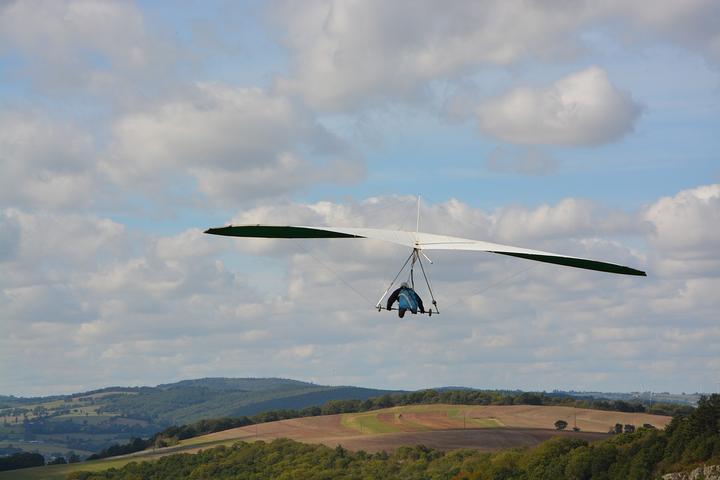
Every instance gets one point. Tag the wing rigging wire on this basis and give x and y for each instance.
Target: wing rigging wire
(503, 280)
(379, 302)
(434, 302)
(331, 270)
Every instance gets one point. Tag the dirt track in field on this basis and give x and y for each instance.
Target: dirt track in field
(440, 426)
(485, 439)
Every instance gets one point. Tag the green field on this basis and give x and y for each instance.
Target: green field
(461, 413)
(367, 423)
(416, 418)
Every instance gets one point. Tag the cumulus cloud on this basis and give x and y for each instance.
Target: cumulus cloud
(45, 163)
(350, 53)
(86, 285)
(236, 143)
(684, 236)
(691, 24)
(583, 108)
(82, 45)
(354, 54)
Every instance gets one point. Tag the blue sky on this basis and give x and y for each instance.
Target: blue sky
(127, 128)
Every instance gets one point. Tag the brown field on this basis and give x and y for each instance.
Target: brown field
(444, 427)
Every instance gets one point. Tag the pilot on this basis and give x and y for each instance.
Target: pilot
(407, 300)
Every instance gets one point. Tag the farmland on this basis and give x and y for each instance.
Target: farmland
(444, 427)
(439, 426)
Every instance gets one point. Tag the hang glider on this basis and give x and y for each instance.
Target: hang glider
(419, 242)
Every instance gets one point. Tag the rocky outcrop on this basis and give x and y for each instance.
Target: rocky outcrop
(711, 472)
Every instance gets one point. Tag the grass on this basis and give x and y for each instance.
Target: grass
(460, 412)
(367, 423)
(203, 441)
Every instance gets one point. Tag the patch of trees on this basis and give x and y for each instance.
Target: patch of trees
(172, 435)
(56, 427)
(184, 403)
(152, 404)
(643, 454)
(21, 460)
(9, 450)
(483, 397)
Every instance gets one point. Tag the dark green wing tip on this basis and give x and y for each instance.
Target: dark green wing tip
(579, 263)
(631, 271)
(276, 231)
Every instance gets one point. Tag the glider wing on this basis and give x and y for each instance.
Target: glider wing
(421, 241)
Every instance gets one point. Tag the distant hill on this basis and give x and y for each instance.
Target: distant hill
(90, 421)
(191, 400)
(239, 384)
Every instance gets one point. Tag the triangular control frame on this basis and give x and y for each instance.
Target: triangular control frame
(412, 259)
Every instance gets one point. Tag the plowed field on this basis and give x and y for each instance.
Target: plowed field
(440, 426)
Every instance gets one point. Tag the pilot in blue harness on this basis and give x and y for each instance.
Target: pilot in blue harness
(407, 300)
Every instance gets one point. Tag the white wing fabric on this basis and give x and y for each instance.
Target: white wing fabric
(420, 241)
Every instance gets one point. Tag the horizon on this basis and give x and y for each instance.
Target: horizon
(129, 128)
(398, 389)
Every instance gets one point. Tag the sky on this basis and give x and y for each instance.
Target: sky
(583, 128)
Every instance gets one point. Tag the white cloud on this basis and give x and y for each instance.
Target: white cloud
(354, 54)
(351, 53)
(685, 237)
(583, 108)
(82, 45)
(44, 163)
(692, 24)
(570, 217)
(236, 143)
(74, 240)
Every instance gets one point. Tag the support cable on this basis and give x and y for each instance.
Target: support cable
(502, 280)
(333, 272)
(377, 305)
(434, 302)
